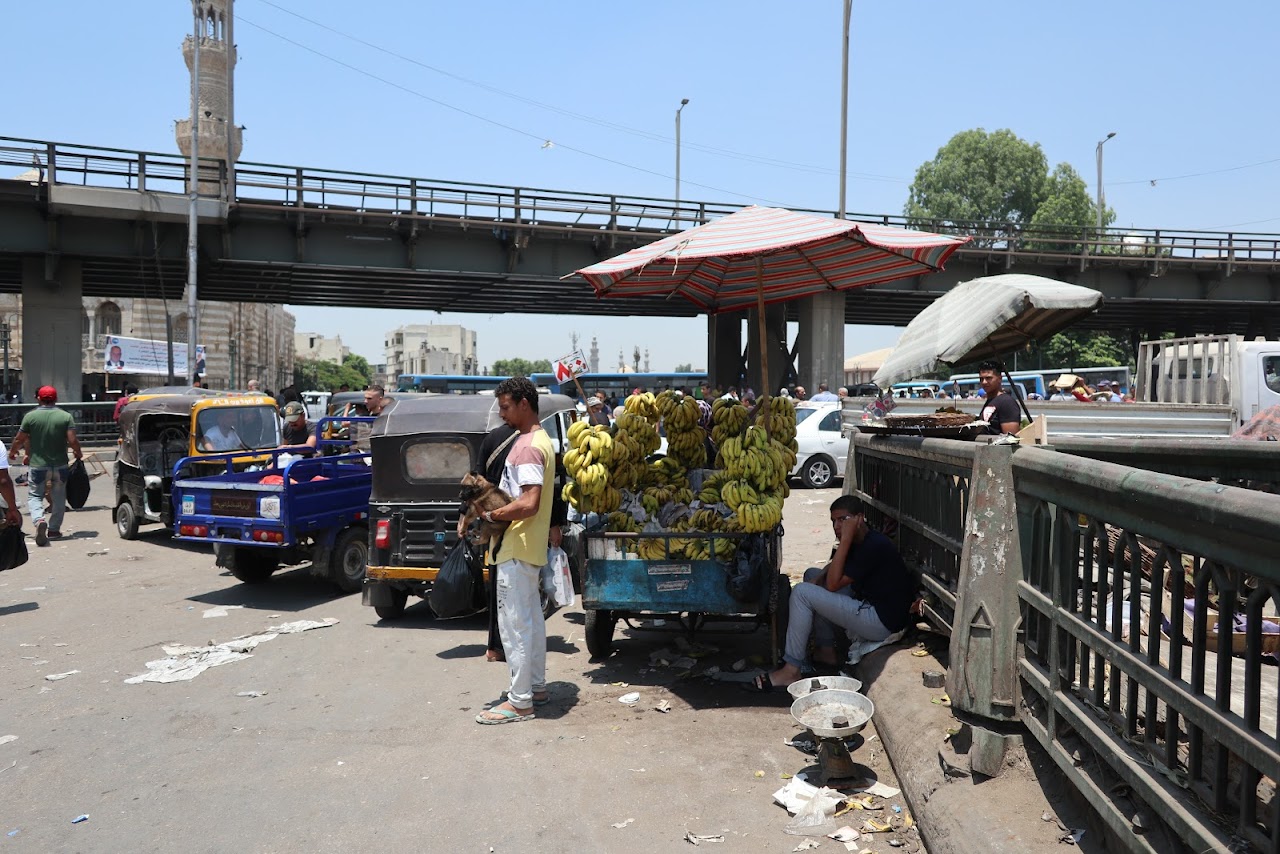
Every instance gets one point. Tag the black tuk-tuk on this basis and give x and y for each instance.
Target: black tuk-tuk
(157, 429)
(421, 449)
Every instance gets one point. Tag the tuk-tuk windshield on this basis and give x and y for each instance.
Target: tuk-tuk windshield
(238, 428)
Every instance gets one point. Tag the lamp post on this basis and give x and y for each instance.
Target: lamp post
(1102, 197)
(844, 106)
(193, 202)
(684, 102)
(4, 337)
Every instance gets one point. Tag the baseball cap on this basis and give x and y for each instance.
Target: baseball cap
(47, 392)
(293, 409)
(1105, 384)
(594, 402)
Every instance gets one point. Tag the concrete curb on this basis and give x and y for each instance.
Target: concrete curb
(959, 812)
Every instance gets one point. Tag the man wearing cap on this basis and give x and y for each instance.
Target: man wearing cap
(45, 434)
(1104, 387)
(298, 430)
(596, 413)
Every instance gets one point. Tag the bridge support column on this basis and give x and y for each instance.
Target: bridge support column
(52, 311)
(775, 320)
(821, 341)
(724, 349)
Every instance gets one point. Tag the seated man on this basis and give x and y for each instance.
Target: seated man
(298, 431)
(864, 589)
(222, 436)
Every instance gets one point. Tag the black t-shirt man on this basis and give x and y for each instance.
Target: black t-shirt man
(1001, 409)
(877, 575)
(297, 432)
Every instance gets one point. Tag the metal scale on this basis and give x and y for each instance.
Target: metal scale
(832, 714)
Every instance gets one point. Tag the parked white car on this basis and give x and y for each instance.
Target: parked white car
(823, 451)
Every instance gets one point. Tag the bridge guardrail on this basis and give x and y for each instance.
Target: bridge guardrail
(387, 196)
(93, 419)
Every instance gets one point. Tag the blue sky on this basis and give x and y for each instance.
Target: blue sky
(1186, 92)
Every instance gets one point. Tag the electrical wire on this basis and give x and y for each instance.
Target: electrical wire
(513, 129)
(605, 123)
(1154, 181)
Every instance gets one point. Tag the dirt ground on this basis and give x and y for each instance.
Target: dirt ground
(362, 734)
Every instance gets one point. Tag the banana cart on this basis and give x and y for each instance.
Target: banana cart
(743, 590)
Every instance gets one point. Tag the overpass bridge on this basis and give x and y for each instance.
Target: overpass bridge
(114, 221)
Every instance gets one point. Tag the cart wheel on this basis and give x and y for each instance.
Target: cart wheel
(349, 559)
(548, 606)
(254, 566)
(394, 611)
(599, 633)
(126, 521)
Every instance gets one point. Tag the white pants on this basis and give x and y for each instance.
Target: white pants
(523, 630)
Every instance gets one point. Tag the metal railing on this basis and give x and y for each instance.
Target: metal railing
(1120, 690)
(94, 421)
(371, 196)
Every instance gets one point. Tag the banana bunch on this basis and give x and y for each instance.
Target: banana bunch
(705, 520)
(643, 405)
(760, 516)
(588, 463)
(728, 417)
(710, 492)
(640, 430)
(779, 419)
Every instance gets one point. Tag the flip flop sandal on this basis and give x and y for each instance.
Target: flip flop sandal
(762, 684)
(536, 701)
(507, 716)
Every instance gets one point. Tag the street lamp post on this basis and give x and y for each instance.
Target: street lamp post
(193, 325)
(1102, 197)
(844, 106)
(684, 102)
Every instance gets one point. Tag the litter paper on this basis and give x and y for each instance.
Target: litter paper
(188, 662)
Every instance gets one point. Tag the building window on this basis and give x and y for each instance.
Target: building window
(180, 329)
(108, 319)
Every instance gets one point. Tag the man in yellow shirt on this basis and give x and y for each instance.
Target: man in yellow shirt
(528, 477)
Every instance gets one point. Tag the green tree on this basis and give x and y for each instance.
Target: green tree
(999, 178)
(686, 368)
(1083, 349)
(520, 367)
(359, 364)
(320, 375)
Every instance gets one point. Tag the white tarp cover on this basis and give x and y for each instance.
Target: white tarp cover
(985, 318)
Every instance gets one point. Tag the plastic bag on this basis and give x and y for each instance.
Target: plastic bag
(557, 582)
(814, 818)
(13, 547)
(453, 591)
(77, 485)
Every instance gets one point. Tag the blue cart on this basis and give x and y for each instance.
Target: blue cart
(687, 593)
(311, 509)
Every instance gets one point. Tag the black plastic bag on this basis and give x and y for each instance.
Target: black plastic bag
(77, 485)
(746, 577)
(13, 547)
(453, 593)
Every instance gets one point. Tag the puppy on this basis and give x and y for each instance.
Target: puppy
(480, 496)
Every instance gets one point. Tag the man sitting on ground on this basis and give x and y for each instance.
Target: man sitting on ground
(864, 589)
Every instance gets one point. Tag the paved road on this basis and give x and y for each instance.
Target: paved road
(365, 735)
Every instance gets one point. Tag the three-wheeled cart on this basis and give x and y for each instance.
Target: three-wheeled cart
(747, 589)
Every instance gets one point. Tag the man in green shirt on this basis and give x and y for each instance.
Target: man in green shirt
(45, 434)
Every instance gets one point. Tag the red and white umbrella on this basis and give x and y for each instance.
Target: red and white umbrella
(759, 256)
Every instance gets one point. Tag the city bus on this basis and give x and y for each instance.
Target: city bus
(447, 383)
(617, 386)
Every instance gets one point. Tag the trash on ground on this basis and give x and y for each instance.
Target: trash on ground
(920, 653)
(944, 700)
(187, 662)
(623, 824)
(55, 677)
(844, 834)
(251, 694)
(796, 794)
(664, 706)
(896, 843)
(5, 739)
(221, 610)
(871, 825)
(699, 838)
(806, 845)
(785, 776)
(98, 553)
(13, 832)
(1073, 837)
(619, 685)
(684, 662)
(814, 816)
(880, 790)
(630, 699)
(897, 809)
(739, 665)
(759, 774)
(80, 818)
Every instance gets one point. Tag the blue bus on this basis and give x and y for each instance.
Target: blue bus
(447, 383)
(618, 386)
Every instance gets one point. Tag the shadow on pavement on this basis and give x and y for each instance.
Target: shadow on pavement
(19, 608)
(295, 590)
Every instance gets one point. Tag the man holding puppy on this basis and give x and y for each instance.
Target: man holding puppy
(528, 478)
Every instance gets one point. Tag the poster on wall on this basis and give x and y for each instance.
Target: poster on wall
(144, 356)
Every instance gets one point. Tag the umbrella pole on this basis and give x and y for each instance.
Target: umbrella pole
(764, 349)
(1016, 391)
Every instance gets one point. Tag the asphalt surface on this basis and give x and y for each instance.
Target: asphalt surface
(364, 736)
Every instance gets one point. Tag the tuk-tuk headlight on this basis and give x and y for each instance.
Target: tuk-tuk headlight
(269, 507)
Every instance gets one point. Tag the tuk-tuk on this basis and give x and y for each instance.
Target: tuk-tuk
(421, 449)
(352, 403)
(157, 430)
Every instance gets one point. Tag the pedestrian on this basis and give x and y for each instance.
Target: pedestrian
(12, 518)
(45, 434)
(522, 552)
(254, 385)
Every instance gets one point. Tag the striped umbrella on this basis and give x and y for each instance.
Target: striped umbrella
(759, 256)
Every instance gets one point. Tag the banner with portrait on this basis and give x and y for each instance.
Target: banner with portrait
(123, 355)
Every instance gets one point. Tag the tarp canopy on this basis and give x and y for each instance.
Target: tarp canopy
(985, 318)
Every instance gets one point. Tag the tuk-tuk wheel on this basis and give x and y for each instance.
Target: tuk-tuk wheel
(254, 566)
(126, 521)
(349, 559)
(394, 611)
(599, 632)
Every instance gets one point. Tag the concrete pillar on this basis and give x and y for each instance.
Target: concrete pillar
(775, 319)
(820, 341)
(724, 349)
(51, 316)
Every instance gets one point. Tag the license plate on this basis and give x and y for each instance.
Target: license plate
(188, 505)
(230, 504)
